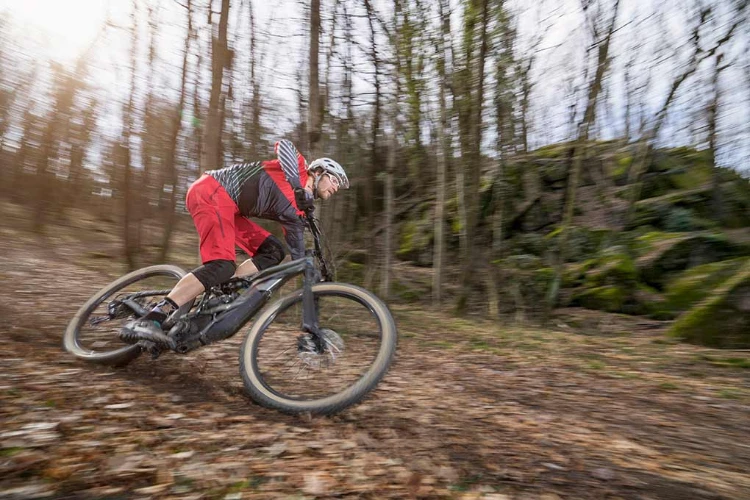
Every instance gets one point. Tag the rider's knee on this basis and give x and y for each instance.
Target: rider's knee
(269, 253)
(215, 272)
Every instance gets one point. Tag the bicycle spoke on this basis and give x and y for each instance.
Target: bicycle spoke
(351, 342)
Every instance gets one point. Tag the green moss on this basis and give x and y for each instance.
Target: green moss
(605, 298)
(649, 241)
(553, 234)
(695, 284)
(530, 244)
(743, 363)
(614, 267)
(406, 293)
(730, 394)
(582, 242)
(552, 151)
(575, 273)
(456, 226)
(722, 319)
(351, 272)
(408, 233)
(668, 258)
(623, 164)
(524, 283)
(9, 452)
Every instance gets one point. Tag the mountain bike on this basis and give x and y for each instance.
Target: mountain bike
(319, 349)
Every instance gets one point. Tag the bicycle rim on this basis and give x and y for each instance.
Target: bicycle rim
(93, 334)
(283, 369)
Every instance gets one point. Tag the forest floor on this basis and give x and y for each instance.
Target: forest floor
(601, 406)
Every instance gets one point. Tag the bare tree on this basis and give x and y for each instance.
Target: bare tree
(211, 157)
(470, 98)
(601, 41)
(124, 145)
(388, 213)
(697, 57)
(314, 111)
(255, 132)
(713, 111)
(442, 46)
(170, 163)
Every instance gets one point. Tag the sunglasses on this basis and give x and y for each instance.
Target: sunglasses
(334, 180)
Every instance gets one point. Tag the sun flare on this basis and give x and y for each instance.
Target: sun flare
(66, 27)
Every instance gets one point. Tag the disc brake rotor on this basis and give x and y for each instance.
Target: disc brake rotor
(333, 347)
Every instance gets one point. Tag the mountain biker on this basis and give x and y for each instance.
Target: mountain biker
(221, 202)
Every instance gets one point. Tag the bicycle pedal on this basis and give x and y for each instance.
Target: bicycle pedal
(150, 347)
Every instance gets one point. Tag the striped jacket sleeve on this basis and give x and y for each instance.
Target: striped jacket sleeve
(287, 154)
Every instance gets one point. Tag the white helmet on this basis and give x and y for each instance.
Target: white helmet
(330, 167)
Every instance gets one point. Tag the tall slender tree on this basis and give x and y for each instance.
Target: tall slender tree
(601, 35)
(314, 111)
(212, 152)
(698, 55)
(442, 53)
(124, 154)
(170, 162)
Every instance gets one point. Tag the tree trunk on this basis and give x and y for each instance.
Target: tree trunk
(170, 164)
(385, 284)
(255, 112)
(442, 159)
(211, 157)
(589, 117)
(699, 55)
(471, 132)
(713, 110)
(373, 165)
(314, 118)
(124, 155)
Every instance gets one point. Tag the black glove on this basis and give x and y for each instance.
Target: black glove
(304, 199)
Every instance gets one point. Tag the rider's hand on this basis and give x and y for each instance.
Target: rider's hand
(304, 199)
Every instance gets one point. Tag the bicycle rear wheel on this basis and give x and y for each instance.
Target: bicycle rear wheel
(92, 334)
(282, 370)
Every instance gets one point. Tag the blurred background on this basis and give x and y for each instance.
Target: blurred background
(507, 159)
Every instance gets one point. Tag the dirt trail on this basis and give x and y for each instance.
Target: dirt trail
(469, 410)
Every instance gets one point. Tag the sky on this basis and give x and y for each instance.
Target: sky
(71, 26)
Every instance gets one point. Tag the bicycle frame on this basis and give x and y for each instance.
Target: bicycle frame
(228, 319)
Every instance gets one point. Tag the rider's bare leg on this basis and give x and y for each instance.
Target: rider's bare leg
(186, 290)
(245, 269)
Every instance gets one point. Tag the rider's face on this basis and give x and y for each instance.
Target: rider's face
(327, 186)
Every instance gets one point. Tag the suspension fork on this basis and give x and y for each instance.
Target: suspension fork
(310, 303)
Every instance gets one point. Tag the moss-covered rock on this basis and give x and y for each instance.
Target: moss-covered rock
(735, 200)
(686, 210)
(696, 284)
(662, 257)
(415, 238)
(610, 283)
(723, 319)
(675, 169)
(649, 301)
(613, 267)
(524, 282)
(574, 274)
(583, 243)
(529, 244)
(604, 298)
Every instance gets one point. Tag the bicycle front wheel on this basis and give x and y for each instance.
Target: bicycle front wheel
(283, 369)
